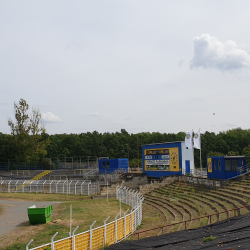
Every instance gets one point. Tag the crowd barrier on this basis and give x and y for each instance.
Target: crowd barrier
(107, 234)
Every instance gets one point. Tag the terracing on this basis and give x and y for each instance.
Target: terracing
(180, 202)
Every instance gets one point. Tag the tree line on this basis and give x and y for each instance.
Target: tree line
(29, 141)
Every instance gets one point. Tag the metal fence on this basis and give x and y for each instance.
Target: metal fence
(198, 173)
(205, 183)
(107, 234)
(76, 162)
(50, 186)
(183, 224)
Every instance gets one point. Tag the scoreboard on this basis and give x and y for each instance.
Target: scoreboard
(161, 159)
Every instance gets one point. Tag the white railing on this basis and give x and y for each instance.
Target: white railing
(107, 234)
(50, 186)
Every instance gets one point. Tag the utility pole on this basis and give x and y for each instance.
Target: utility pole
(128, 156)
(138, 154)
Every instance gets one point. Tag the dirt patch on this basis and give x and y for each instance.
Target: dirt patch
(22, 234)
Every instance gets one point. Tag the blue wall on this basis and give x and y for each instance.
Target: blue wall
(218, 170)
(158, 173)
(110, 165)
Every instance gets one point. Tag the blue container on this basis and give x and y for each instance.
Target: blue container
(224, 167)
(111, 165)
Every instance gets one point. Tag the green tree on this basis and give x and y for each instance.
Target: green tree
(27, 133)
(211, 153)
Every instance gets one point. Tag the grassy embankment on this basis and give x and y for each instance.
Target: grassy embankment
(84, 212)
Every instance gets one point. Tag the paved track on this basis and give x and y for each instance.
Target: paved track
(15, 213)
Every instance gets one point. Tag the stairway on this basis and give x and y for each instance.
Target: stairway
(39, 176)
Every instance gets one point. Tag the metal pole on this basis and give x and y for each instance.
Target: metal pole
(120, 208)
(138, 154)
(27, 246)
(116, 228)
(52, 240)
(90, 237)
(200, 150)
(192, 147)
(70, 219)
(125, 229)
(67, 187)
(105, 231)
(107, 192)
(74, 242)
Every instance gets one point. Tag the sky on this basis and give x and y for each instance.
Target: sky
(140, 65)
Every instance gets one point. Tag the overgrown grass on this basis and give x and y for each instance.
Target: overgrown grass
(15, 247)
(84, 212)
(210, 238)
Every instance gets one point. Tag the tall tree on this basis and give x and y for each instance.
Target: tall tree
(27, 133)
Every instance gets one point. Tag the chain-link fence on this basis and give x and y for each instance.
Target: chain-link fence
(107, 234)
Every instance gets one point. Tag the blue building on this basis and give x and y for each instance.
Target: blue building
(166, 159)
(110, 165)
(224, 167)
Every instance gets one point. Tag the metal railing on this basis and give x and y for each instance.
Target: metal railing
(16, 172)
(198, 173)
(109, 233)
(243, 170)
(209, 220)
(50, 186)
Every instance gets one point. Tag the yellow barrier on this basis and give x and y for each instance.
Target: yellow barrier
(107, 234)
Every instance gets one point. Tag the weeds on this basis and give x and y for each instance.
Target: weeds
(210, 238)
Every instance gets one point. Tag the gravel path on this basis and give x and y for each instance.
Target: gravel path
(15, 213)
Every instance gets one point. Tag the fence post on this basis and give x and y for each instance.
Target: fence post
(90, 236)
(88, 188)
(117, 192)
(74, 242)
(125, 231)
(52, 240)
(116, 227)
(131, 219)
(105, 231)
(27, 246)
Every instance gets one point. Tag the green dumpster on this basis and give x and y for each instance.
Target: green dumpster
(39, 215)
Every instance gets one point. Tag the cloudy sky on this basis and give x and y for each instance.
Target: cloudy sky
(141, 65)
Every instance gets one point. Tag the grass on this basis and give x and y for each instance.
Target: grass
(43, 197)
(84, 212)
(151, 218)
(16, 247)
(210, 238)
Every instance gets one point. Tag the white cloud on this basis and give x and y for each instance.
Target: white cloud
(209, 52)
(50, 117)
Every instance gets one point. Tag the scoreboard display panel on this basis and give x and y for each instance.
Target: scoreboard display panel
(161, 159)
